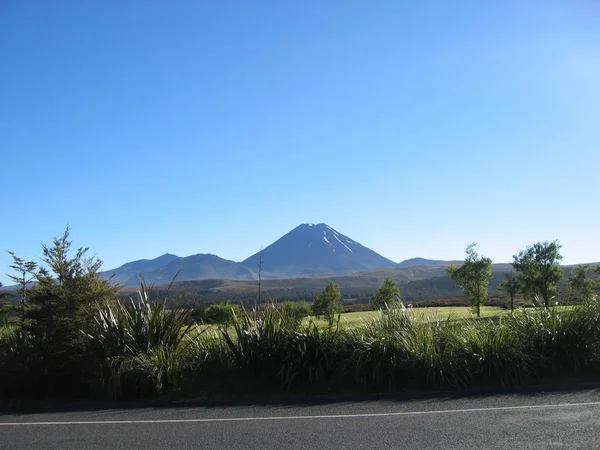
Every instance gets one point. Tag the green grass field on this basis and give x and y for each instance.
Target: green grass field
(357, 319)
(426, 314)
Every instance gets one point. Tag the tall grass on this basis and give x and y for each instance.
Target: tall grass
(141, 325)
(559, 341)
(145, 349)
(8, 331)
(258, 341)
(144, 344)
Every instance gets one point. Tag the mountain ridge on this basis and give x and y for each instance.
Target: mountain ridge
(309, 250)
(412, 262)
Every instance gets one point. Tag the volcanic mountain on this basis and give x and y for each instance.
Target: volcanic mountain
(306, 251)
(315, 250)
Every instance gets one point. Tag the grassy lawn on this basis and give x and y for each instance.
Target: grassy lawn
(357, 319)
(427, 314)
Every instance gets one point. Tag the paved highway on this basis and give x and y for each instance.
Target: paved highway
(556, 420)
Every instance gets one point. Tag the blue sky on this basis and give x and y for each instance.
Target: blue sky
(216, 127)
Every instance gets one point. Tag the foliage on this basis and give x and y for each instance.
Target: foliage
(473, 276)
(511, 285)
(387, 295)
(5, 308)
(293, 313)
(139, 326)
(62, 302)
(139, 348)
(539, 269)
(221, 313)
(580, 284)
(558, 341)
(26, 274)
(327, 303)
(257, 341)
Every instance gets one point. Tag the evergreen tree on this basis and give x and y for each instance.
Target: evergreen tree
(61, 304)
(26, 274)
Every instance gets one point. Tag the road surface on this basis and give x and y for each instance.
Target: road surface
(567, 419)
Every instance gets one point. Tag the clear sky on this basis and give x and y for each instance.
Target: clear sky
(216, 127)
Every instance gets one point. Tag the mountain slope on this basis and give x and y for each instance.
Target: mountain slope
(315, 250)
(122, 274)
(412, 262)
(163, 269)
(195, 267)
(416, 283)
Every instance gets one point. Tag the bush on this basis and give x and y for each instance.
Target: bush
(140, 325)
(222, 313)
(143, 344)
(293, 313)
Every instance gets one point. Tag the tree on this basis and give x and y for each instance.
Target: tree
(473, 277)
(580, 284)
(5, 307)
(61, 304)
(388, 294)
(327, 303)
(26, 275)
(539, 269)
(511, 286)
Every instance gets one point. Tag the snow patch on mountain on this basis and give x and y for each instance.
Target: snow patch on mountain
(338, 239)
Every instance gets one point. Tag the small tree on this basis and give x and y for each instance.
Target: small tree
(388, 294)
(580, 284)
(61, 304)
(327, 303)
(511, 286)
(26, 275)
(473, 277)
(539, 269)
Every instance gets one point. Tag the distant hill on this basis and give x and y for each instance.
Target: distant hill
(194, 267)
(315, 250)
(123, 274)
(425, 262)
(416, 283)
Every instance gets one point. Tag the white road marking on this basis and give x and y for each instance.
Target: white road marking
(316, 417)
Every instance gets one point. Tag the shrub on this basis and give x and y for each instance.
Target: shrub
(558, 341)
(222, 313)
(143, 345)
(293, 313)
(140, 325)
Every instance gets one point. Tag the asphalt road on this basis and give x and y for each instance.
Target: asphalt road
(568, 419)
